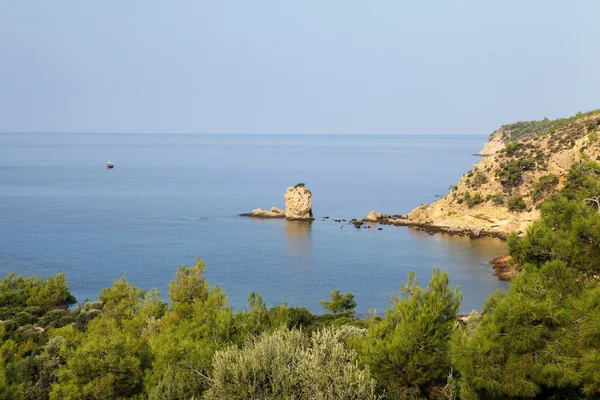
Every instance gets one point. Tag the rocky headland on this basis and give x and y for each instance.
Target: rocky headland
(524, 163)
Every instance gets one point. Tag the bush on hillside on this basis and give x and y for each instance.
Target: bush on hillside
(516, 204)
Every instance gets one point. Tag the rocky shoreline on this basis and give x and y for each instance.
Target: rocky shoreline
(503, 269)
(404, 220)
(298, 207)
(373, 219)
(450, 230)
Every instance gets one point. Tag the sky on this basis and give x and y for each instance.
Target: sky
(303, 67)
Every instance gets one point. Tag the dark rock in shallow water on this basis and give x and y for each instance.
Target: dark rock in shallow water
(379, 229)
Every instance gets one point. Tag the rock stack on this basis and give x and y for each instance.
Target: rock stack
(298, 206)
(298, 203)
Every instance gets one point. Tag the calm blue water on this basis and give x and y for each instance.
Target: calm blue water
(172, 198)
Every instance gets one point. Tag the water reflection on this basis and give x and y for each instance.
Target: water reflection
(297, 234)
(466, 260)
(298, 241)
(464, 246)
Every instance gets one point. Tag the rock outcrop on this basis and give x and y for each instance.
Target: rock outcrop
(526, 163)
(503, 269)
(371, 217)
(298, 203)
(274, 212)
(493, 145)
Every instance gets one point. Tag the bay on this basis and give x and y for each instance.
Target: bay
(172, 198)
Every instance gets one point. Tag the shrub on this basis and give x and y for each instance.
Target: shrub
(479, 178)
(473, 200)
(34, 310)
(511, 148)
(593, 137)
(299, 317)
(52, 317)
(297, 185)
(511, 174)
(516, 204)
(10, 325)
(24, 318)
(496, 199)
(289, 365)
(543, 185)
(7, 313)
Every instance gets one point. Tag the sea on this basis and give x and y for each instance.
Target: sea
(172, 198)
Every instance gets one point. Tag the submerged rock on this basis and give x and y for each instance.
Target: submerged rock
(298, 203)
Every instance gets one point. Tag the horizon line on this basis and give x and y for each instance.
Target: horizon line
(237, 133)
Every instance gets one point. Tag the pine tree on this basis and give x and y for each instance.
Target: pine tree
(408, 350)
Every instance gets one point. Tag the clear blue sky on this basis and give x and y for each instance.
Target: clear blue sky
(323, 66)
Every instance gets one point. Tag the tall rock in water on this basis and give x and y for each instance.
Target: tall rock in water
(298, 203)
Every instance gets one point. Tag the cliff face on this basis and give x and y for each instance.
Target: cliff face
(525, 163)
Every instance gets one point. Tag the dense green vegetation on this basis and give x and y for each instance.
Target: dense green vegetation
(516, 204)
(473, 200)
(511, 174)
(526, 150)
(540, 339)
(525, 129)
(545, 184)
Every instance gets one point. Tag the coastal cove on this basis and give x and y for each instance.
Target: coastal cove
(172, 198)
